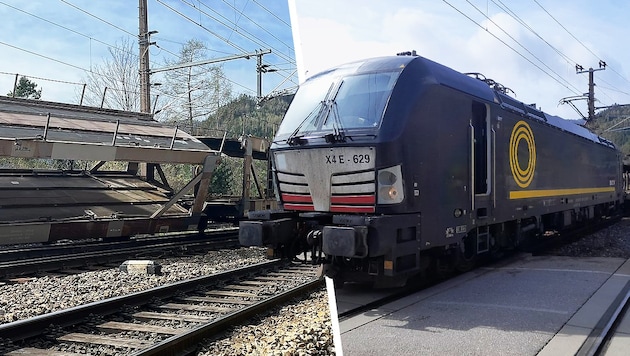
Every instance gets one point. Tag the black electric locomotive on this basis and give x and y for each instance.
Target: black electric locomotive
(388, 166)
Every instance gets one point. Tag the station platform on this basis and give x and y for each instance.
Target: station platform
(526, 305)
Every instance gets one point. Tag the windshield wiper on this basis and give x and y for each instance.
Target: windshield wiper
(338, 134)
(294, 138)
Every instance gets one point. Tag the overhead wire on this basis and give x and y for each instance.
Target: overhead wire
(237, 14)
(523, 23)
(246, 34)
(98, 18)
(44, 56)
(271, 12)
(613, 87)
(241, 49)
(58, 25)
(71, 30)
(215, 34)
(507, 45)
(569, 32)
(64, 63)
(517, 18)
(242, 14)
(523, 47)
(45, 79)
(163, 39)
(580, 42)
(109, 45)
(135, 36)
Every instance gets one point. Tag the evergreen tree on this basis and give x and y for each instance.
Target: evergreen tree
(26, 89)
(222, 179)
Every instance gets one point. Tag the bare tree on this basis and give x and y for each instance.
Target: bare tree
(116, 79)
(193, 92)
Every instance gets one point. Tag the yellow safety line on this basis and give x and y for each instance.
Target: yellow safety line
(541, 193)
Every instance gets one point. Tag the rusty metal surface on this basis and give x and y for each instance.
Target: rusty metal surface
(233, 148)
(51, 196)
(38, 129)
(40, 206)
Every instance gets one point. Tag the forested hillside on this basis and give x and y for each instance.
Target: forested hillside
(614, 124)
(243, 116)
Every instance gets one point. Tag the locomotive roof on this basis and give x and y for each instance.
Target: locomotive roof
(476, 87)
(443, 75)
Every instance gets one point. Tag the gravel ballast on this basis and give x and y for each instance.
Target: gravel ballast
(613, 241)
(51, 293)
(300, 328)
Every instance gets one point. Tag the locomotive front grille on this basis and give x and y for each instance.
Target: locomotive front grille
(353, 192)
(349, 192)
(340, 179)
(294, 192)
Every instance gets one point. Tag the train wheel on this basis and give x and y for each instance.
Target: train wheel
(442, 264)
(496, 252)
(467, 253)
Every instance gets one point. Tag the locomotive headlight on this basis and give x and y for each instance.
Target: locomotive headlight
(390, 187)
(386, 177)
(390, 193)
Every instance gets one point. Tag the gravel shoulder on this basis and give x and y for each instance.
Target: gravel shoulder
(50, 293)
(613, 241)
(302, 327)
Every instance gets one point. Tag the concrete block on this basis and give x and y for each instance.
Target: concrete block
(147, 267)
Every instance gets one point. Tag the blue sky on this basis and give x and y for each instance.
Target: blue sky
(73, 39)
(332, 32)
(576, 32)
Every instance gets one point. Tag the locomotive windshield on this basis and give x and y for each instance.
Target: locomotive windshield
(330, 103)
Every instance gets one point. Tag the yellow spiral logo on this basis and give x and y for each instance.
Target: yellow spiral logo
(522, 132)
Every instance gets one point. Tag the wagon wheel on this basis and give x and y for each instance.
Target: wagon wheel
(467, 253)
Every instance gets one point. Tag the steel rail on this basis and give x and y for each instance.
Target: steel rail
(112, 252)
(188, 342)
(28, 328)
(10, 253)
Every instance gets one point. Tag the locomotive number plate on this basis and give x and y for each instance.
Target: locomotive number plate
(352, 158)
(326, 160)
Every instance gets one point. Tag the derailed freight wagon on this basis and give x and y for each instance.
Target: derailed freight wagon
(89, 202)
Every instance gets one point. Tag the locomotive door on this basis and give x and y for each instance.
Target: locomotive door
(480, 149)
(481, 165)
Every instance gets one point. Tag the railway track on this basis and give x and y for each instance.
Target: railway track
(171, 319)
(26, 261)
